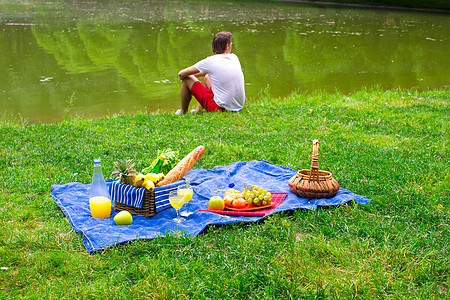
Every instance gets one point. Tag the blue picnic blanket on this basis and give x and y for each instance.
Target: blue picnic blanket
(99, 234)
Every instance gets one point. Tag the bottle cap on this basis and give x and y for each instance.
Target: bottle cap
(96, 161)
(162, 157)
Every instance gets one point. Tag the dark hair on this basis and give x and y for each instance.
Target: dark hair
(220, 42)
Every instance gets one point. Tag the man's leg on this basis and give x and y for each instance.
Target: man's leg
(207, 83)
(186, 95)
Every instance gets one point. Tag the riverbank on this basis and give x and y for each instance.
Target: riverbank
(437, 6)
(390, 146)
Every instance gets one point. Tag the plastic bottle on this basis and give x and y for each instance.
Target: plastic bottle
(157, 168)
(99, 197)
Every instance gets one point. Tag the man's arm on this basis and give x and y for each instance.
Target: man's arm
(190, 71)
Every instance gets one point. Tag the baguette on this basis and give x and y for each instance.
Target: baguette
(183, 166)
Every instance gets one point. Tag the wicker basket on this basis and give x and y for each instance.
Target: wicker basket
(148, 208)
(314, 184)
(153, 201)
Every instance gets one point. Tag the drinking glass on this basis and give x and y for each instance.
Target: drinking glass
(177, 202)
(187, 192)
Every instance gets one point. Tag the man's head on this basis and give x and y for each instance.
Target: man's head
(220, 42)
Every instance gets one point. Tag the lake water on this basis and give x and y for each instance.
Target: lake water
(95, 58)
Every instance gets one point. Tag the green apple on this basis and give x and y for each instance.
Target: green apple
(123, 218)
(216, 203)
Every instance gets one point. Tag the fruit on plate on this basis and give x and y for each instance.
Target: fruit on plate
(123, 170)
(123, 218)
(257, 196)
(234, 198)
(239, 203)
(216, 203)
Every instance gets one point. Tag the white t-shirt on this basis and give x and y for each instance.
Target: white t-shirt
(227, 80)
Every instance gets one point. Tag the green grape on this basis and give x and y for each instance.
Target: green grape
(256, 195)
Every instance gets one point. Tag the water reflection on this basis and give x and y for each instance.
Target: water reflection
(113, 56)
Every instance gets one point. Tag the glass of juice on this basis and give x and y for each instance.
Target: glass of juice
(177, 202)
(100, 207)
(187, 192)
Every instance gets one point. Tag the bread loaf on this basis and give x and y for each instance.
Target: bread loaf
(178, 172)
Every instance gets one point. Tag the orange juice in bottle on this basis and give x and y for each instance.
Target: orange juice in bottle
(100, 207)
(99, 198)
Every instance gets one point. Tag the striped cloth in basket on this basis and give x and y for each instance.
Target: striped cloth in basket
(130, 195)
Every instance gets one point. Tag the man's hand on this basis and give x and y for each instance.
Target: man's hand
(189, 71)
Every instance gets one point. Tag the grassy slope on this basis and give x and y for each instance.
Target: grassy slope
(389, 146)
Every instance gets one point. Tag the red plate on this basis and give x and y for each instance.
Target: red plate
(250, 208)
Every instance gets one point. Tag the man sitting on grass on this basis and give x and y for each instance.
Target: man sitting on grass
(223, 87)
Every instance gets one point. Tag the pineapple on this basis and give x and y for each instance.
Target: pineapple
(123, 170)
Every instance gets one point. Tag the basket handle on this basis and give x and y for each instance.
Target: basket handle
(315, 160)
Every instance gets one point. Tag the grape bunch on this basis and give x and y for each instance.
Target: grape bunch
(257, 196)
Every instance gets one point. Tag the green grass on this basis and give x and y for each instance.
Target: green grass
(390, 146)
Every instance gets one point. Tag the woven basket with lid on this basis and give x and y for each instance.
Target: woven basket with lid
(314, 184)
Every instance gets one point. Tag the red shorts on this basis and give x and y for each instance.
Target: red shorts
(205, 97)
